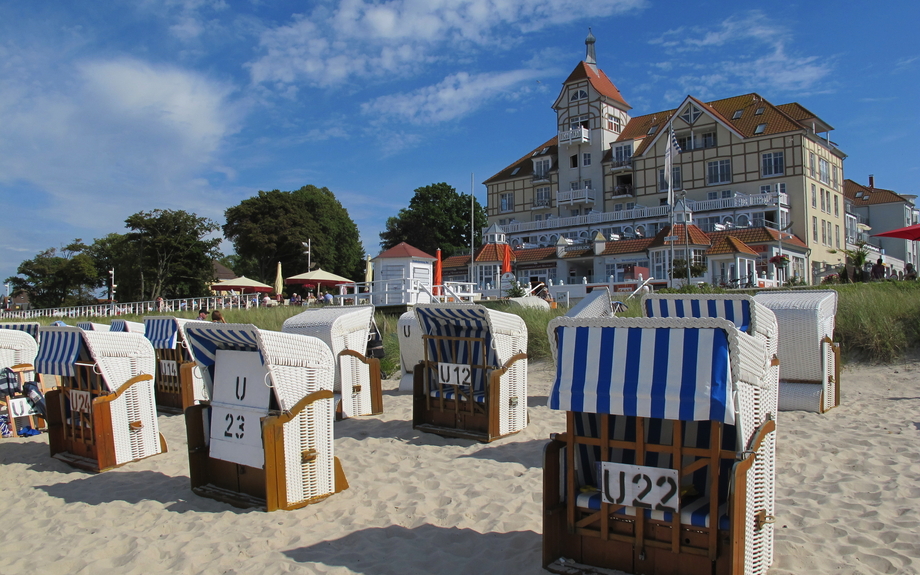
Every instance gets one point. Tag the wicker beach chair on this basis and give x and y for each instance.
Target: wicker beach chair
(810, 378)
(167, 335)
(91, 326)
(265, 438)
(30, 327)
(530, 301)
(103, 413)
(18, 349)
(345, 330)
(127, 326)
(666, 464)
(596, 304)
(472, 381)
(411, 350)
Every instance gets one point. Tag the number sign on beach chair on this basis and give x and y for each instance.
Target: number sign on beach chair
(810, 378)
(167, 335)
(472, 381)
(666, 463)
(345, 330)
(411, 350)
(18, 349)
(103, 414)
(265, 438)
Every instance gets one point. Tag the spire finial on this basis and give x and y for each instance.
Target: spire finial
(590, 56)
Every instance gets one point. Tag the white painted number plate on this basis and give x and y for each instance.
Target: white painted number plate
(20, 407)
(640, 486)
(81, 401)
(168, 367)
(454, 374)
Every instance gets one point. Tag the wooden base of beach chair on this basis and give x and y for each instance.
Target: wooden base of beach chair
(174, 393)
(242, 485)
(90, 445)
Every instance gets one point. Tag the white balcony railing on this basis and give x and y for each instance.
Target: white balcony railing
(541, 203)
(575, 136)
(586, 195)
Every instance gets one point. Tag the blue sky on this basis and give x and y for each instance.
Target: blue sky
(108, 108)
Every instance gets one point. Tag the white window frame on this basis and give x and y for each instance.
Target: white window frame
(586, 159)
(506, 202)
(722, 169)
(772, 164)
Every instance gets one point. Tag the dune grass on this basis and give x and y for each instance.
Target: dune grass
(876, 322)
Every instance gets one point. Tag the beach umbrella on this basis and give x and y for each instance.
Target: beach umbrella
(279, 280)
(437, 273)
(242, 284)
(368, 271)
(908, 233)
(506, 260)
(319, 277)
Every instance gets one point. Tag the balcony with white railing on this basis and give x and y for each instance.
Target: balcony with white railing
(575, 136)
(620, 164)
(541, 204)
(540, 177)
(582, 195)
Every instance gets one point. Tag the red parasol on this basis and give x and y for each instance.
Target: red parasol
(437, 273)
(506, 260)
(908, 233)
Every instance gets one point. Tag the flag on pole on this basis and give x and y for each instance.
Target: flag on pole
(672, 150)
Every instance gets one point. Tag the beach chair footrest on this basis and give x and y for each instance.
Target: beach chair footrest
(234, 498)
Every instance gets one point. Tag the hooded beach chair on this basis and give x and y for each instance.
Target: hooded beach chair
(530, 301)
(30, 327)
(18, 349)
(345, 330)
(103, 413)
(265, 437)
(810, 378)
(595, 304)
(472, 381)
(411, 350)
(167, 335)
(127, 326)
(90, 326)
(666, 462)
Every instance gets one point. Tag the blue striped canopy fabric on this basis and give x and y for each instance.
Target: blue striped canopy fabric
(664, 372)
(205, 339)
(163, 332)
(467, 322)
(737, 311)
(129, 326)
(30, 328)
(59, 351)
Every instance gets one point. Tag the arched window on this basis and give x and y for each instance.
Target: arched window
(743, 221)
(640, 231)
(578, 95)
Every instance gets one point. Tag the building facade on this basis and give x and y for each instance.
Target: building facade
(743, 163)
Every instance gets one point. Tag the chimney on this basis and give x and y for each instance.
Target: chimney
(872, 181)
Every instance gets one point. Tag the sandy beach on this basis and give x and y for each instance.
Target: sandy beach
(847, 489)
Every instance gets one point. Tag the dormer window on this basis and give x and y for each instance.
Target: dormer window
(691, 114)
(578, 95)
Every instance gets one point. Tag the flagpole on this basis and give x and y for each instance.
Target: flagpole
(668, 163)
(472, 233)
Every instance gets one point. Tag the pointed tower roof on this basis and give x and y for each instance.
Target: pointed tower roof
(599, 81)
(404, 250)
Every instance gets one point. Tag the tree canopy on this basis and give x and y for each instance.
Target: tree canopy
(437, 217)
(273, 226)
(55, 277)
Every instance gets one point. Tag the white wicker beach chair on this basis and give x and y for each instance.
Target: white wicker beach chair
(345, 330)
(595, 304)
(30, 327)
(167, 335)
(473, 380)
(530, 301)
(411, 350)
(128, 326)
(810, 378)
(666, 464)
(90, 326)
(265, 438)
(17, 352)
(103, 414)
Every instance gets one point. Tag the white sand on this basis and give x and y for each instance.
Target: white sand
(847, 489)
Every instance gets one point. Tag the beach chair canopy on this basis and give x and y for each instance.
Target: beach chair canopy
(471, 321)
(128, 326)
(164, 331)
(595, 304)
(805, 318)
(118, 356)
(688, 363)
(16, 347)
(339, 326)
(283, 354)
(90, 326)
(749, 316)
(30, 327)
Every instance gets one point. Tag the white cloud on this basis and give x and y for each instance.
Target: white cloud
(761, 58)
(360, 38)
(454, 97)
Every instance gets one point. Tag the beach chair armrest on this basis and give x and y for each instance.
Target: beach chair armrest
(122, 389)
(511, 361)
(760, 435)
(298, 407)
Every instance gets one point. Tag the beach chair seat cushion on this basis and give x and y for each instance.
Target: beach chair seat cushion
(450, 393)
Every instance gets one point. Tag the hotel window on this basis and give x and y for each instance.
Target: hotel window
(675, 179)
(623, 153)
(578, 95)
(773, 164)
(765, 189)
(781, 188)
(737, 115)
(586, 184)
(708, 140)
(814, 228)
(586, 159)
(835, 182)
(837, 236)
(811, 164)
(828, 192)
(719, 172)
(824, 174)
(573, 186)
(814, 196)
(712, 195)
(507, 202)
(578, 122)
(573, 161)
(542, 198)
(760, 128)
(823, 232)
(691, 114)
(541, 167)
(613, 123)
(822, 200)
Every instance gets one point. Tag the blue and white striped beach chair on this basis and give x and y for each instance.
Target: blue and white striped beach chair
(127, 326)
(473, 379)
(663, 466)
(30, 327)
(167, 336)
(91, 326)
(18, 349)
(265, 437)
(103, 414)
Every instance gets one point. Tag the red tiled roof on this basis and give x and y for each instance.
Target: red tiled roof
(525, 163)
(535, 254)
(636, 245)
(697, 236)
(577, 253)
(492, 253)
(598, 80)
(456, 262)
(404, 250)
(869, 196)
(730, 245)
(751, 236)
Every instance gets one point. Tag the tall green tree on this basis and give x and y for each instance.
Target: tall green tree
(118, 252)
(437, 217)
(174, 253)
(273, 226)
(55, 277)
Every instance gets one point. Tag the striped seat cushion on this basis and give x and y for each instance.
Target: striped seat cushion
(451, 393)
